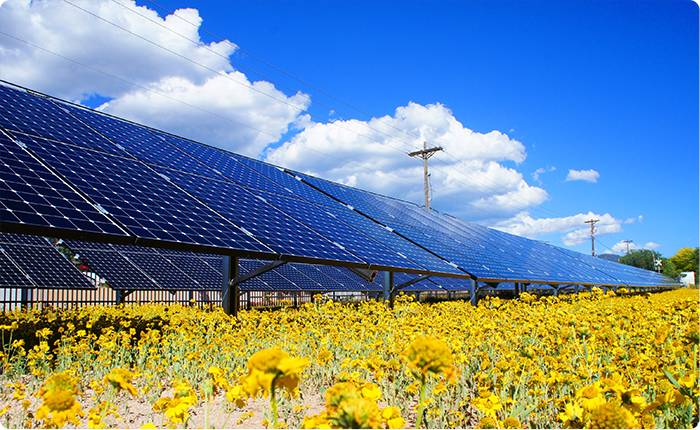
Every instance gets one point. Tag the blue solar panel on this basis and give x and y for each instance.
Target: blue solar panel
(36, 115)
(280, 232)
(119, 272)
(227, 164)
(10, 275)
(147, 204)
(336, 230)
(292, 184)
(145, 144)
(33, 196)
(163, 272)
(351, 281)
(206, 277)
(45, 266)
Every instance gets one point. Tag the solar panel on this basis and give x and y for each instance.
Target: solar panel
(279, 231)
(39, 116)
(45, 266)
(143, 143)
(334, 229)
(206, 277)
(351, 281)
(119, 272)
(10, 275)
(163, 272)
(33, 196)
(147, 204)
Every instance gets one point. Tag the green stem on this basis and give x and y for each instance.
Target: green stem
(273, 405)
(421, 403)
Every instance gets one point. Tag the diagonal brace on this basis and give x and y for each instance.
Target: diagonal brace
(257, 272)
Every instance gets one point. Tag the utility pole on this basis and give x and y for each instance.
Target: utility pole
(592, 222)
(627, 242)
(425, 154)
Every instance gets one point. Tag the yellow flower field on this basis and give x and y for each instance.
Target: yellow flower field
(592, 360)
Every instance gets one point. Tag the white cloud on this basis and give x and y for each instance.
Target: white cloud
(538, 172)
(621, 247)
(589, 175)
(469, 178)
(265, 119)
(574, 226)
(70, 32)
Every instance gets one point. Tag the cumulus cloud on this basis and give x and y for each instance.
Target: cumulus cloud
(218, 111)
(235, 101)
(471, 177)
(574, 226)
(621, 247)
(589, 175)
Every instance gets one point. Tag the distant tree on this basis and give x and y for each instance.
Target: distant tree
(642, 258)
(668, 268)
(686, 260)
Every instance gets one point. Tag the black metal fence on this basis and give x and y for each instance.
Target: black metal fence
(34, 298)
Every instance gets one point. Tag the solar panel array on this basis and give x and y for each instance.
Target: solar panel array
(71, 171)
(488, 254)
(131, 268)
(33, 262)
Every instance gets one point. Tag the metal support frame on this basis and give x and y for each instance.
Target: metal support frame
(121, 295)
(231, 288)
(473, 291)
(25, 298)
(366, 274)
(388, 291)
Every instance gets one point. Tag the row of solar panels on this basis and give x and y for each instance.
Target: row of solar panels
(70, 170)
(34, 262)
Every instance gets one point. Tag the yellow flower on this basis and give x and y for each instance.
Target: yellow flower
(488, 403)
(177, 408)
(428, 355)
(273, 368)
(612, 416)
(572, 415)
(512, 423)
(488, 423)
(371, 391)
(591, 396)
(392, 417)
(59, 405)
(219, 378)
(236, 395)
(121, 380)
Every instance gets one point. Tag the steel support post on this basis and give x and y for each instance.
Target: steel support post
(25, 297)
(388, 284)
(230, 290)
(473, 292)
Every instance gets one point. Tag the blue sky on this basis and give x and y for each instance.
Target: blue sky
(608, 86)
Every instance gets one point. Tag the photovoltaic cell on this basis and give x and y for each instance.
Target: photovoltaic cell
(34, 196)
(271, 226)
(162, 271)
(10, 275)
(206, 277)
(145, 144)
(120, 273)
(336, 230)
(39, 116)
(147, 204)
(46, 267)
